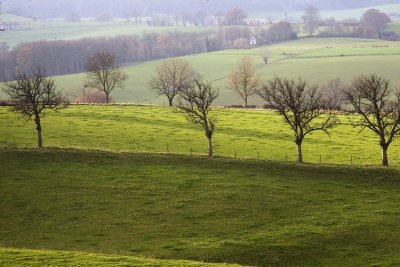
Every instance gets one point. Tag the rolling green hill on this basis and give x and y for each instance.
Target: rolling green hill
(249, 134)
(318, 60)
(175, 207)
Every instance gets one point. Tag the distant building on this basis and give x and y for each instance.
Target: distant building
(253, 40)
(256, 40)
(285, 16)
(388, 35)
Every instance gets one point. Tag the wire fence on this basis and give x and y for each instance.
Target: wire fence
(261, 155)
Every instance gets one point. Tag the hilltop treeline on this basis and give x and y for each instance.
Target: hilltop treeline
(61, 8)
(65, 57)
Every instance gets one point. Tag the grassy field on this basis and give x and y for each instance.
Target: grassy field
(176, 207)
(24, 257)
(58, 29)
(249, 134)
(318, 60)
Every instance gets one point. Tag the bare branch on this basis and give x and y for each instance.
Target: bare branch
(103, 73)
(378, 106)
(33, 93)
(195, 103)
(244, 80)
(173, 76)
(299, 103)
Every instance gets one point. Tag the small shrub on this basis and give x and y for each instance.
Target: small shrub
(91, 96)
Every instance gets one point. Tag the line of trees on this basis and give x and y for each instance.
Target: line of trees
(70, 56)
(61, 8)
(372, 23)
(369, 100)
(306, 108)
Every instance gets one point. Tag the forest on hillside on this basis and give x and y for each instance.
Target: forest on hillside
(61, 8)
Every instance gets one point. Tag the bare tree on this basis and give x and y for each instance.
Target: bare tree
(104, 74)
(244, 80)
(311, 20)
(300, 105)
(235, 16)
(195, 102)
(375, 21)
(379, 108)
(333, 95)
(33, 93)
(172, 76)
(265, 54)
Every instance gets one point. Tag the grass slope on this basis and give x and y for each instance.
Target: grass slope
(251, 134)
(318, 60)
(58, 29)
(24, 257)
(175, 207)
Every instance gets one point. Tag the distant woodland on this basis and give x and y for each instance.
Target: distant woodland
(61, 8)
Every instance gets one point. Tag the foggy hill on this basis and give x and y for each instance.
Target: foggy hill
(120, 8)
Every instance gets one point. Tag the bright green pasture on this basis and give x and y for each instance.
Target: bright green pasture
(219, 210)
(318, 60)
(251, 134)
(26, 257)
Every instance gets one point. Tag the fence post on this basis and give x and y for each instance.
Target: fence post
(235, 154)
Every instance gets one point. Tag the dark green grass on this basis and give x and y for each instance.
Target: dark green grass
(24, 257)
(176, 207)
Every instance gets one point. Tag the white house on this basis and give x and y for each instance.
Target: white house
(253, 40)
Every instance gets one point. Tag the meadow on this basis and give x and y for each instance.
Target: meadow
(239, 133)
(192, 208)
(58, 29)
(317, 60)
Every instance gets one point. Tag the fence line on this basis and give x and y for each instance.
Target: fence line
(316, 158)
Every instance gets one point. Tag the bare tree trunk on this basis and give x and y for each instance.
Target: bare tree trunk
(170, 100)
(39, 130)
(245, 101)
(299, 153)
(107, 97)
(385, 160)
(210, 148)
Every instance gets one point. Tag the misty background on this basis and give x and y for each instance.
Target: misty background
(120, 8)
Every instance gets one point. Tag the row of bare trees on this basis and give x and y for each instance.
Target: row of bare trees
(370, 102)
